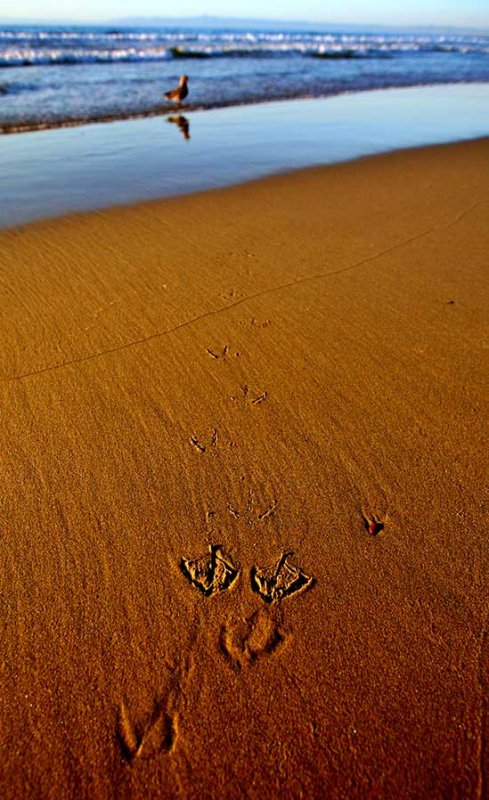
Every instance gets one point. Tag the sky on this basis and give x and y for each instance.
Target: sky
(395, 12)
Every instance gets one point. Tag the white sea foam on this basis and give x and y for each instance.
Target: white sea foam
(31, 46)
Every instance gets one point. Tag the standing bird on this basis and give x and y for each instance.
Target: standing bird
(180, 93)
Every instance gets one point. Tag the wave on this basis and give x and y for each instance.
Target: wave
(17, 88)
(345, 54)
(179, 52)
(30, 58)
(55, 58)
(60, 46)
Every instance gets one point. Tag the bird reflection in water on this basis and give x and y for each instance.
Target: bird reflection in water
(183, 125)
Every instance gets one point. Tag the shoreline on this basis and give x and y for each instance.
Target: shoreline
(9, 129)
(292, 365)
(50, 173)
(292, 173)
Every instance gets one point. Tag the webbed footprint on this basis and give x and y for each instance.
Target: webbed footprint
(282, 580)
(210, 573)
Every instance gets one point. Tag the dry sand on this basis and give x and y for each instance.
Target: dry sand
(265, 368)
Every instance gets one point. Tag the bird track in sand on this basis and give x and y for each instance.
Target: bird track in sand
(210, 444)
(222, 354)
(262, 293)
(210, 573)
(282, 580)
(242, 642)
(245, 640)
(250, 398)
(250, 511)
(157, 734)
(154, 731)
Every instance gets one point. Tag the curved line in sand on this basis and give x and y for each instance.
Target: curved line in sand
(241, 301)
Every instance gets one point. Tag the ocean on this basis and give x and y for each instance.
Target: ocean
(54, 76)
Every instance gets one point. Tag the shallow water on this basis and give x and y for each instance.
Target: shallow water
(52, 75)
(49, 173)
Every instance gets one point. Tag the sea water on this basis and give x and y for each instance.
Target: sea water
(55, 75)
(49, 173)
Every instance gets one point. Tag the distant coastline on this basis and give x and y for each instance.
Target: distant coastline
(245, 23)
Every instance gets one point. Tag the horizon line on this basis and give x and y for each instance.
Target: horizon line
(167, 20)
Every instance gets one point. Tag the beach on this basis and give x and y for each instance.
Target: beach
(296, 365)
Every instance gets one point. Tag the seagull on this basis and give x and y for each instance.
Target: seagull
(180, 93)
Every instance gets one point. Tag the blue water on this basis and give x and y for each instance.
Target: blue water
(50, 173)
(53, 76)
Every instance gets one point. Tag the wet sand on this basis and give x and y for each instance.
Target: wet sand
(52, 173)
(293, 365)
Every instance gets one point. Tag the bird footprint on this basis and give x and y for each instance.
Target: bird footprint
(242, 642)
(155, 736)
(210, 573)
(282, 580)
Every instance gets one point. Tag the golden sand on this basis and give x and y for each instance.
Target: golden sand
(190, 391)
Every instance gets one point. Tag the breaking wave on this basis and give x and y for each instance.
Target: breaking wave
(34, 47)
